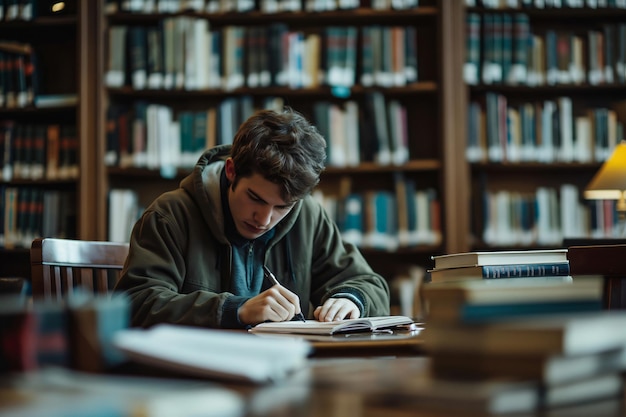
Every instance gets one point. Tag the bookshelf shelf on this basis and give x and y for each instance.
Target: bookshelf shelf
(361, 15)
(422, 87)
(40, 23)
(362, 169)
(32, 110)
(612, 90)
(527, 167)
(560, 14)
(59, 184)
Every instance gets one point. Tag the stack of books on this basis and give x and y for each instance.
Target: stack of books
(519, 345)
(541, 264)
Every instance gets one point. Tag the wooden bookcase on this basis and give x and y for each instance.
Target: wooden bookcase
(64, 46)
(435, 109)
(573, 97)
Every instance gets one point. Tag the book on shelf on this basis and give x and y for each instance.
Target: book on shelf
(381, 228)
(124, 211)
(116, 63)
(184, 350)
(55, 100)
(351, 219)
(495, 272)
(455, 260)
(565, 334)
(155, 60)
(138, 56)
(365, 324)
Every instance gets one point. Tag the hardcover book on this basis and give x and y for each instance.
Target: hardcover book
(550, 370)
(456, 260)
(566, 334)
(480, 272)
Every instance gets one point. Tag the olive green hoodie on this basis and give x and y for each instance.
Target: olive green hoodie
(179, 265)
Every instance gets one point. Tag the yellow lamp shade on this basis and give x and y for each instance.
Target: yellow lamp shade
(609, 183)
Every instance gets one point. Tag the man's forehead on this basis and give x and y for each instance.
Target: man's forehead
(266, 190)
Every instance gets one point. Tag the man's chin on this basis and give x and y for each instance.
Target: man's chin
(251, 233)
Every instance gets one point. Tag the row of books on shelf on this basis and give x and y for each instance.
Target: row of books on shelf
(19, 79)
(374, 129)
(387, 220)
(377, 219)
(156, 136)
(543, 4)
(18, 76)
(500, 130)
(37, 151)
(153, 136)
(184, 52)
(504, 49)
(545, 217)
(524, 344)
(243, 6)
(11, 10)
(30, 212)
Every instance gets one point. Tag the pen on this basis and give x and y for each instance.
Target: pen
(271, 276)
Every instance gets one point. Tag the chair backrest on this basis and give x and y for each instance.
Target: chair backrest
(60, 265)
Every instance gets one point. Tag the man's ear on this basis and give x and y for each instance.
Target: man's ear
(230, 170)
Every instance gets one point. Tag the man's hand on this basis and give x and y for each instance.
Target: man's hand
(337, 309)
(274, 304)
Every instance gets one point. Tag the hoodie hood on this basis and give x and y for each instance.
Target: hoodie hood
(203, 185)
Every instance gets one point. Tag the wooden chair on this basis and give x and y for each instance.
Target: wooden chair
(60, 265)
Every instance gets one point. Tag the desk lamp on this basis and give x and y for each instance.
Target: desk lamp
(609, 183)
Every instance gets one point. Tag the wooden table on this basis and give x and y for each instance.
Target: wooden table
(368, 387)
(371, 383)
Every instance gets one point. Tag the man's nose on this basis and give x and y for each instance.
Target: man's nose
(263, 216)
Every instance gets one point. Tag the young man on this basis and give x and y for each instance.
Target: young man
(197, 253)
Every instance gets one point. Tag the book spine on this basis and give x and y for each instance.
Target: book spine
(525, 270)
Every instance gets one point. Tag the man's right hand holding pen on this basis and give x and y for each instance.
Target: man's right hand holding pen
(277, 303)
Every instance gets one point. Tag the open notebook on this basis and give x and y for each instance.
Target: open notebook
(366, 324)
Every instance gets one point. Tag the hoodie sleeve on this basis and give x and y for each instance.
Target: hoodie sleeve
(170, 280)
(340, 270)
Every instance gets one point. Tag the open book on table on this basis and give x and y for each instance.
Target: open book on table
(366, 324)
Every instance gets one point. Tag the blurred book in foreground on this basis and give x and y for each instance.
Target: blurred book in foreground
(213, 353)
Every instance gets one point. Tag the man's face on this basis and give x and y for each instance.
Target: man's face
(255, 204)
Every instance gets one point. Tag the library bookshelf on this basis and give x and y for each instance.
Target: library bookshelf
(424, 99)
(47, 114)
(545, 85)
